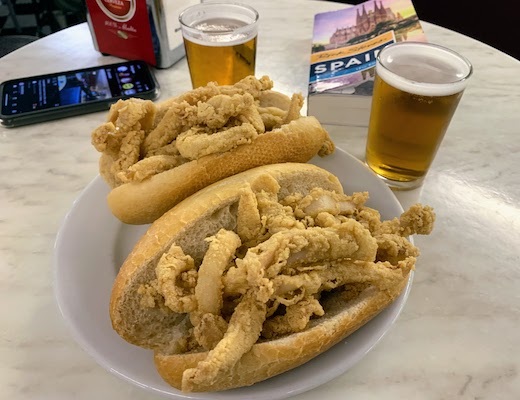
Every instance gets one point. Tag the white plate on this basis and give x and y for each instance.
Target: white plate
(92, 244)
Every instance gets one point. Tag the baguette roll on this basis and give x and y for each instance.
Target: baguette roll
(270, 358)
(154, 156)
(259, 273)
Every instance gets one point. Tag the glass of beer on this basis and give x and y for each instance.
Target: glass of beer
(220, 42)
(416, 91)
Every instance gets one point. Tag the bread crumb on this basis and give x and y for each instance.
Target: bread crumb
(148, 294)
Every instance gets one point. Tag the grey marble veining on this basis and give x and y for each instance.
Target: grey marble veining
(459, 334)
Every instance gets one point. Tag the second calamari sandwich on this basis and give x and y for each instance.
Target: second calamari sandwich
(154, 156)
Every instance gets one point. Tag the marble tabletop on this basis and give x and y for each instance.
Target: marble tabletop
(458, 336)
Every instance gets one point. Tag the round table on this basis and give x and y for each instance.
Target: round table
(459, 334)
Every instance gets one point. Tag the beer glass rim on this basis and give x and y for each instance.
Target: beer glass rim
(457, 82)
(219, 5)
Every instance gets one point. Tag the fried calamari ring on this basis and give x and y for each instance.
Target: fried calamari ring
(221, 251)
(297, 246)
(248, 217)
(176, 288)
(149, 166)
(243, 331)
(196, 143)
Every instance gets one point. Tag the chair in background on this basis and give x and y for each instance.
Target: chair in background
(10, 43)
(11, 13)
(74, 11)
(29, 20)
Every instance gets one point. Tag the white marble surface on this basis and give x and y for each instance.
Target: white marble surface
(459, 334)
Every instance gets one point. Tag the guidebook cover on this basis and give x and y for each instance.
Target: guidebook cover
(344, 50)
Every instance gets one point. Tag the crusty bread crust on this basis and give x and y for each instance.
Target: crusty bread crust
(144, 202)
(268, 359)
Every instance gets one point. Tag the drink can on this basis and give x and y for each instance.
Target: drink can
(146, 30)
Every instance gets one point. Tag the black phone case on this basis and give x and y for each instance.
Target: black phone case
(51, 114)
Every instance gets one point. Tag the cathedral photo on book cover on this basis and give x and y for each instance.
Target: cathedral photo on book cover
(346, 43)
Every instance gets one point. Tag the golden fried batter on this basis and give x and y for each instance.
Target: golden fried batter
(243, 331)
(206, 120)
(196, 143)
(295, 108)
(266, 279)
(128, 152)
(295, 319)
(148, 167)
(272, 117)
(107, 139)
(217, 111)
(210, 330)
(248, 217)
(132, 114)
(173, 282)
(221, 251)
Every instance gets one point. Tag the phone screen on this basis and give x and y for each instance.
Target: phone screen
(75, 87)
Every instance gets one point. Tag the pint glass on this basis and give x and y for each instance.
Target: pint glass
(220, 42)
(416, 91)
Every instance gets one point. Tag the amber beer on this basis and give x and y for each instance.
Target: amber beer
(220, 42)
(416, 91)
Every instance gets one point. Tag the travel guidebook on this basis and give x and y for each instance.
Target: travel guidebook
(345, 45)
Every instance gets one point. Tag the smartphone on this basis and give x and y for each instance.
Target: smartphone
(46, 97)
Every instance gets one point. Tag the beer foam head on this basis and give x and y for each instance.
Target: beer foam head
(216, 24)
(424, 69)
